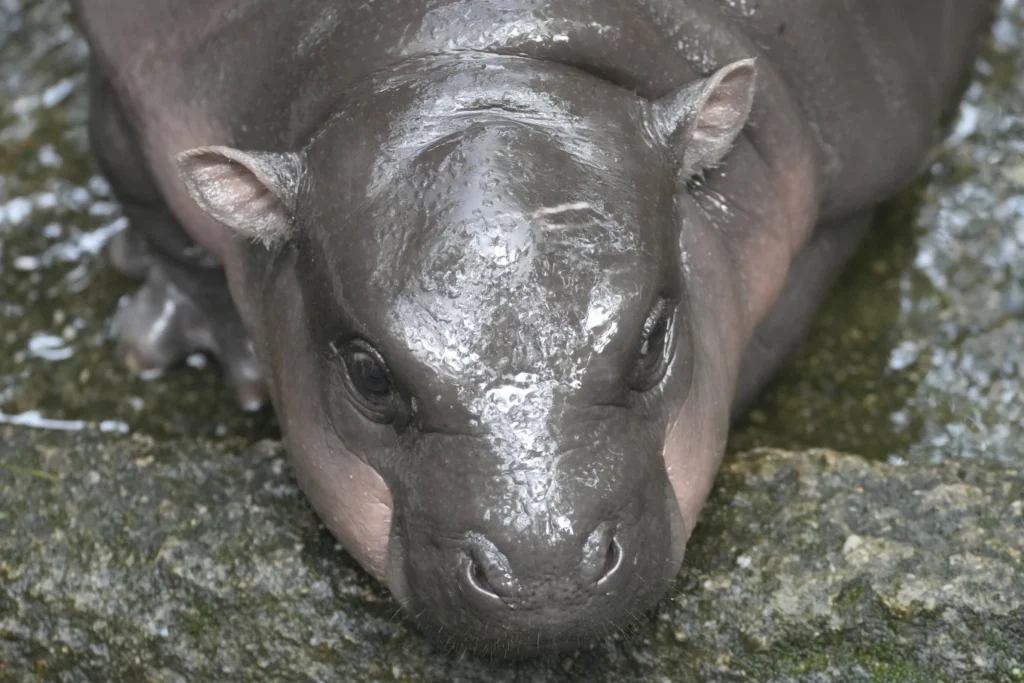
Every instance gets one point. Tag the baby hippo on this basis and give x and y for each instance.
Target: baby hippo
(505, 268)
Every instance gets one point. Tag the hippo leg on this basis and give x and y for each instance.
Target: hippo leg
(812, 273)
(183, 305)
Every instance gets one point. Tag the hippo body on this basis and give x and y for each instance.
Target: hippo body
(506, 268)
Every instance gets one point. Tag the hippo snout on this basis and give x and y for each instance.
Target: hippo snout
(491, 583)
(533, 583)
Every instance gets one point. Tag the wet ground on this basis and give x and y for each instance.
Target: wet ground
(915, 358)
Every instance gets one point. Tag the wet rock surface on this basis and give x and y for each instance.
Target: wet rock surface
(128, 559)
(150, 531)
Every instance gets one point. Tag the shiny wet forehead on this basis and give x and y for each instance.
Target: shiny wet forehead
(523, 256)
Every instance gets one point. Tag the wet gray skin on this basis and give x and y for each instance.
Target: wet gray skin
(506, 269)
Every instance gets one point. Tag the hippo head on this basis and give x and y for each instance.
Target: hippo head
(495, 361)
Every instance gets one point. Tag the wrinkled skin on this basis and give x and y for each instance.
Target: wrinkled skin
(506, 268)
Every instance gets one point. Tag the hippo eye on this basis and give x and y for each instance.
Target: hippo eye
(369, 377)
(371, 381)
(655, 344)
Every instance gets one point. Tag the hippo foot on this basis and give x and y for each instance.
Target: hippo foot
(176, 314)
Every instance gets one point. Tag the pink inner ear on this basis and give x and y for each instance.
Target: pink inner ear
(727, 105)
(227, 186)
(234, 188)
(249, 194)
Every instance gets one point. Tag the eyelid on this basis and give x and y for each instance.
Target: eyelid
(658, 312)
(380, 413)
(362, 346)
(650, 364)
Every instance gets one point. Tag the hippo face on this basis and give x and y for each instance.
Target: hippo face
(482, 335)
(513, 329)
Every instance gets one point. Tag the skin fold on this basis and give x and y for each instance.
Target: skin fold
(506, 269)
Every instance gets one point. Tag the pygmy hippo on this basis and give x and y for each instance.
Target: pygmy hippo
(505, 269)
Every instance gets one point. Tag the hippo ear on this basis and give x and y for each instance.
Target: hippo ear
(701, 120)
(254, 193)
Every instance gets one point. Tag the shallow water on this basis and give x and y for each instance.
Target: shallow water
(915, 355)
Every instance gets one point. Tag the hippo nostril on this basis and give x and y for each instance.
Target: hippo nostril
(612, 560)
(603, 558)
(483, 572)
(476, 576)
(480, 578)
